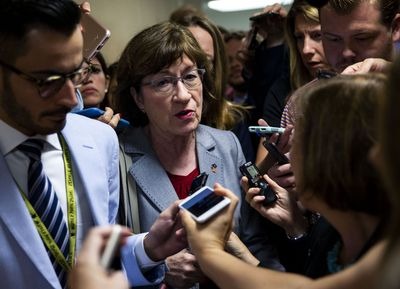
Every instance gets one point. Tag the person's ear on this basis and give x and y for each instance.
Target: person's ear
(107, 80)
(138, 98)
(396, 28)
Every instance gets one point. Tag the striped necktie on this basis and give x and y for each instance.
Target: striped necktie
(44, 200)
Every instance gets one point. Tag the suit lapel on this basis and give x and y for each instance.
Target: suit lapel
(83, 153)
(18, 222)
(145, 167)
(160, 191)
(209, 161)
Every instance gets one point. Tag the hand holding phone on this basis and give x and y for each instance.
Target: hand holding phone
(255, 178)
(263, 131)
(94, 112)
(204, 204)
(111, 247)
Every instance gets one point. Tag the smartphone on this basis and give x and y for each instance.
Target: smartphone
(94, 36)
(253, 44)
(113, 243)
(255, 178)
(204, 204)
(275, 153)
(265, 130)
(94, 112)
(261, 16)
(198, 182)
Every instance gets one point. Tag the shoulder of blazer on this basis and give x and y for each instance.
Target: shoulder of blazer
(210, 137)
(135, 141)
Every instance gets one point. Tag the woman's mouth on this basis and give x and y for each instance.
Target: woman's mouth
(185, 114)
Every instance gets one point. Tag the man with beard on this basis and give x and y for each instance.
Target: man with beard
(59, 171)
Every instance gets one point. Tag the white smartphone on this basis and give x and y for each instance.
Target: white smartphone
(94, 36)
(265, 130)
(112, 245)
(204, 203)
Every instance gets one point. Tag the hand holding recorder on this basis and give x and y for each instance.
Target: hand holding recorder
(255, 179)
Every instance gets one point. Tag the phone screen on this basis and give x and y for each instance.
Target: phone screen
(201, 203)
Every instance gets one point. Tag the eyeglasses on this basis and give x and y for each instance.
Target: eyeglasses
(167, 84)
(52, 84)
(94, 68)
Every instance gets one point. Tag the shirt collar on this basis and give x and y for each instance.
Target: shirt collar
(15, 138)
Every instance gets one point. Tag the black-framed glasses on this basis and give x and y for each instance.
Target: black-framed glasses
(52, 84)
(94, 68)
(166, 84)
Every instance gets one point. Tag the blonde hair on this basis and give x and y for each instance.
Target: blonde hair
(299, 74)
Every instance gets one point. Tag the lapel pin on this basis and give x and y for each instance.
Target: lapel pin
(214, 168)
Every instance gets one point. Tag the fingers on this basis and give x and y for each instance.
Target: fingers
(254, 198)
(251, 193)
(186, 219)
(262, 122)
(366, 66)
(110, 118)
(244, 182)
(114, 120)
(85, 7)
(95, 241)
(282, 175)
(284, 142)
(220, 190)
(172, 211)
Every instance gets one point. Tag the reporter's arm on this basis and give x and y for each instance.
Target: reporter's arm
(236, 247)
(208, 240)
(144, 254)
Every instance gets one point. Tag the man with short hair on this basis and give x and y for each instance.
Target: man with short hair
(59, 171)
(354, 30)
(358, 36)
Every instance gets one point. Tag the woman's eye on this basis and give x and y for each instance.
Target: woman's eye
(96, 70)
(162, 82)
(190, 77)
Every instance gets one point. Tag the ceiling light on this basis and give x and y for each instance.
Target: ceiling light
(239, 5)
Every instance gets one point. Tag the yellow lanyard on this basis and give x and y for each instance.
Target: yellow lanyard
(72, 215)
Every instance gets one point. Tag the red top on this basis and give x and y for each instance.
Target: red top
(182, 183)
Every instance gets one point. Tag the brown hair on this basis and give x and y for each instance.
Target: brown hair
(388, 8)
(151, 50)
(299, 74)
(221, 114)
(390, 140)
(335, 131)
